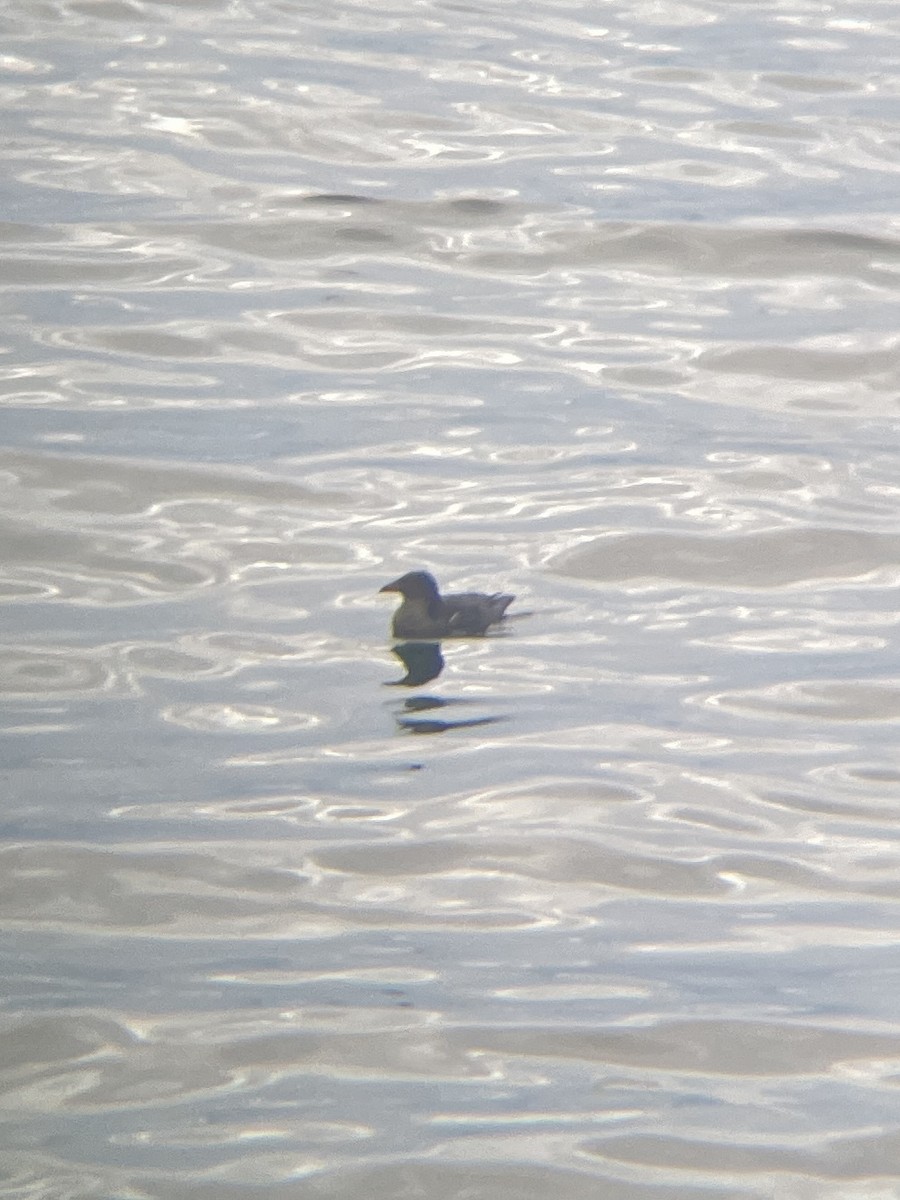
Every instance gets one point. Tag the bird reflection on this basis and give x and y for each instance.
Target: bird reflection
(423, 662)
(435, 724)
(432, 726)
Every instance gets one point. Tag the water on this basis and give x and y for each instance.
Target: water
(593, 306)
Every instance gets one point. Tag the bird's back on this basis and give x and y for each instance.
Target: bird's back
(473, 612)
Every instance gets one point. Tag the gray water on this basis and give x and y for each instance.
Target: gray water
(592, 304)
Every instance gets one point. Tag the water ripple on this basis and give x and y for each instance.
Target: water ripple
(594, 307)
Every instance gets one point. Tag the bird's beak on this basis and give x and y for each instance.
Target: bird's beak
(390, 587)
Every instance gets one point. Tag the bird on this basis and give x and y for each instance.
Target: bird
(425, 613)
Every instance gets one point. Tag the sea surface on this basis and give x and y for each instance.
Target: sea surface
(594, 304)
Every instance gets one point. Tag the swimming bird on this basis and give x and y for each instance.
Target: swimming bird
(425, 613)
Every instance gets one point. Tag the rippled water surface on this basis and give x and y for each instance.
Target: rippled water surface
(592, 304)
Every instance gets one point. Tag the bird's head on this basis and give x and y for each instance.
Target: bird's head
(414, 585)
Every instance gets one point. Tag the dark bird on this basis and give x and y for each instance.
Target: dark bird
(425, 613)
